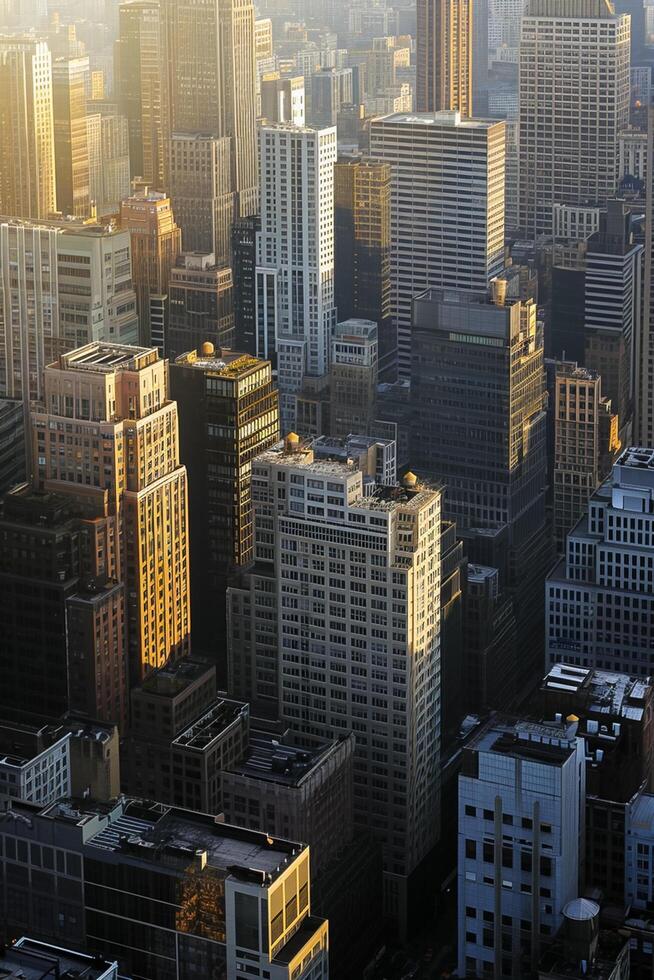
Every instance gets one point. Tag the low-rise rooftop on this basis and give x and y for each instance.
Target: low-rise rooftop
(603, 692)
(105, 357)
(29, 959)
(211, 725)
(175, 677)
(285, 762)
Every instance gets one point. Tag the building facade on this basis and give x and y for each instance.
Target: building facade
(200, 305)
(69, 80)
(156, 242)
(346, 654)
(141, 86)
(444, 68)
(441, 164)
(27, 160)
(599, 606)
(362, 250)
(521, 833)
(296, 313)
(228, 412)
(569, 133)
(353, 377)
(122, 462)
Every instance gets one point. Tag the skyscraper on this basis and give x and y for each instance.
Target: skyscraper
(81, 279)
(122, 461)
(356, 648)
(585, 443)
(108, 140)
(296, 313)
(69, 80)
(212, 71)
(362, 250)
(447, 206)
(574, 102)
(599, 598)
(478, 392)
(141, 85)
(353, 377)
(156, 242)
(200, 191)
(444, 56)
(228, 414)
(27, 160)
(283, 98)
(200, 304)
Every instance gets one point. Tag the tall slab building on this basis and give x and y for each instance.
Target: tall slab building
(120, 457)
(444, 55)
(447, 206)
(27, 160)
(69, 80)
(574, 102)
(141, 85)
(295, 258)
(212, 73)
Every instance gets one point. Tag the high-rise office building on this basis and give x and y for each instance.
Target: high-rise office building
(329, 89)
(570, 118)
(644, 350)
(520, 842)
(283, 98)
(62, 611)
(447, 206)
(27, 159)
(613, 309)
(81, 278)
(599, 598)
(69, 81)
(156, 242)
(347, 654)
(141, 86)
(296, 313)
(200, 305)
(353, 378)
(362, 250)
(244, 267)
(444, 56)
(122, 461)
(108, 140)
(200, 191)
(478, 392)
(12, 444)
(228, 414)
(585, 444)
(212, 71)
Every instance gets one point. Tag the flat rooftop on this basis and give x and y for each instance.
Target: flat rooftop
(165, 835)
(272, 760)
(637, 458)
(104, 357)
(387, 499)
(547, 742)
(303, 456)
(225, 363)
(444, 118)
(206, 729)
(171, 680)
(603, 692)
(33, 960)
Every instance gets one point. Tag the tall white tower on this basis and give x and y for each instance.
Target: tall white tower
(296, 314)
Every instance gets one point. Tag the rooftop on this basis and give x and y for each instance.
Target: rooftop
(105, 357)
(387, 499)
(209, 726)
(305, 934)
(175, 677)
(272, 760)
(637, 458)
(32, 960)
(604, 692)
(444, 118)
(548, 742)
(224, 362)
(165, 835)
(301, 455)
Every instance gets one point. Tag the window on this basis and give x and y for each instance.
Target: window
(489, 852)
(470, 811)
(471, 849)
